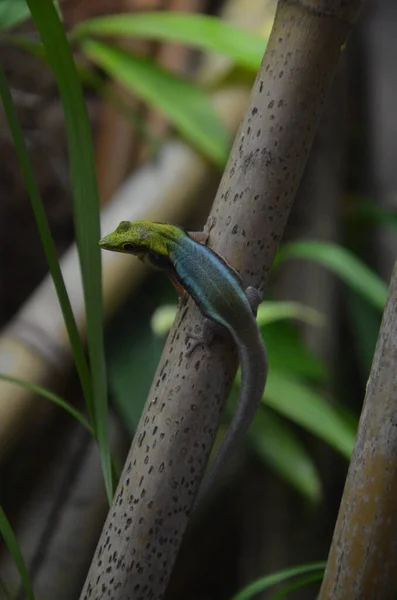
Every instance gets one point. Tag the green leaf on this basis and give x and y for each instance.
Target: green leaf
(268, 312)
(132, 364)
(100, 85)
(246, 48)
(162, 318)
(25, 43)
(13, 548)
(47, 241)
(296, 585)
(12, 13)
(287, 352)
(279, 448)
(186, 105)
(380, 215)
(37, 389)
(15, 12)
(133, 350)
(296, 401)
(268, 581)
(85, 209)
(365, 323)
(344, 264)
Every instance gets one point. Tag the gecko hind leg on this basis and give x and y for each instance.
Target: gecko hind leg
(211, 328)
(254, 298)
(205, 337)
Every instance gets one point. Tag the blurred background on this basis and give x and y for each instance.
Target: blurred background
(163, 114)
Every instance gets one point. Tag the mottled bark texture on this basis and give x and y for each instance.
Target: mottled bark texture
(362, 564)
(144, 529)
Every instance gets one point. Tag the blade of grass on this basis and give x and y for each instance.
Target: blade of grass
(246, 48)
(37, 389)
(13, 548)
(4, 590)
(269, 580)
(85, 209)
(47, 241)
(296, 585)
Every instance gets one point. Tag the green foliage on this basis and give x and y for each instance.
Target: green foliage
(264, 583)
(292, 366)
(270, 312)
(285, 454)
(47, 241)
(364, 210)
(13, 548)
(130, 341)
(295, 400)
(344, 264)
(12, 13)
(40, 391)
(288, 353)
(184, 104)
(246, 48)
(15, 12)
(296, 585)
(86, 214)
(365, 321)
(85, 210)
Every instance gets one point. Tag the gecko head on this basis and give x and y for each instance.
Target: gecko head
(143, 239)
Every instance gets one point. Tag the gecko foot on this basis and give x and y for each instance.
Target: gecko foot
(202, 236)
(202, 338)
(210, 224)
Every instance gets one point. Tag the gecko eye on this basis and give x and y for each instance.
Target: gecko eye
(130, 248)
(134, 248)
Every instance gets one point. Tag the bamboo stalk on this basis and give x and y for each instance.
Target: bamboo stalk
(151, 508)
(363, 555)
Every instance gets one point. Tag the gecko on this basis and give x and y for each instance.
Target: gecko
(217, 290)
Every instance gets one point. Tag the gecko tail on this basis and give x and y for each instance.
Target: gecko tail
(253, 363)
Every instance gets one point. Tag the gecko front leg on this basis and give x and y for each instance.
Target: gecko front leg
(202, 237)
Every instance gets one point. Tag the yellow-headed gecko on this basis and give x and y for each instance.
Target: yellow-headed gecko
(217, 290)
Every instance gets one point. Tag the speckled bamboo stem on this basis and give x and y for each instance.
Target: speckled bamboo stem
(362, 564)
